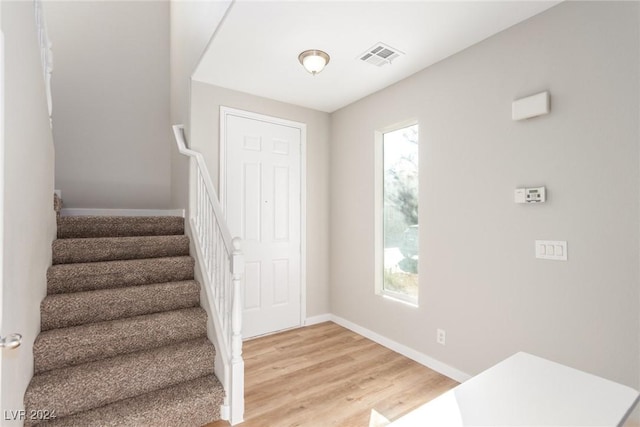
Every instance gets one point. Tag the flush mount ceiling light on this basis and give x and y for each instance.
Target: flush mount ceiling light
(313, 60)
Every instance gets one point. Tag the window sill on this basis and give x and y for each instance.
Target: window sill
(403, 299)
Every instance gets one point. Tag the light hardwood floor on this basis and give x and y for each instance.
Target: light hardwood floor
(326, 375)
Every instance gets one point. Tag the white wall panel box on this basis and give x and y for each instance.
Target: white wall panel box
(531, 106)
(530, 195)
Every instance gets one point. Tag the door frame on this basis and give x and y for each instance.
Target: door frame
(228, 111)
(1, 194)
(2, 160)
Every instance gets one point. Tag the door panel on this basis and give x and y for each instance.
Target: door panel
(263, 207)
(281, 218)
(252, 203)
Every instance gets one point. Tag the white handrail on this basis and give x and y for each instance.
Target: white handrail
(222, 265)
(46, 55)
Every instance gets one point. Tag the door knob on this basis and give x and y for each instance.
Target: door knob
(11, 341)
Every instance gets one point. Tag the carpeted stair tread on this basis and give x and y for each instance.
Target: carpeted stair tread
(119, 226)
(59, 348)
(189, 404)
(65, 310)
(123, 338)
(63, 278)
(91, 385)
(118, 248)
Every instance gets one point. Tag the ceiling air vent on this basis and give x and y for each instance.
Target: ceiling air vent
(380, 54)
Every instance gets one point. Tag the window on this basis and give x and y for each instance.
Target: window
(398, 200)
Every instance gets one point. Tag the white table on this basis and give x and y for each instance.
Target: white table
(526, 390)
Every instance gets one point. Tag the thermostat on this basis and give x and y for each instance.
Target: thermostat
(530, 195)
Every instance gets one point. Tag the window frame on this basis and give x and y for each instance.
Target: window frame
(379, 214)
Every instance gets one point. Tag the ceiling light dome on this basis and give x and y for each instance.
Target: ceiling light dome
(313, 60)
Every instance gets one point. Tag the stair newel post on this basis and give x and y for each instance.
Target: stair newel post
(237, 364)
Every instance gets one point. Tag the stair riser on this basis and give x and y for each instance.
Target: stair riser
(117, 226)
(92, 385)
(66, 278)
(65, 310)
(61, 348)
(67, 251)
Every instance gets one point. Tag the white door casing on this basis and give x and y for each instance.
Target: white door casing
(2, 408)
(262, 189)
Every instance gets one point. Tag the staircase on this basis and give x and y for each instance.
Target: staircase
(124, 339)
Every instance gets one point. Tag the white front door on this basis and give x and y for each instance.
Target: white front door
(263, 205)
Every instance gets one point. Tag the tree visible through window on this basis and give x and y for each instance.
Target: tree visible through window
(400, 217)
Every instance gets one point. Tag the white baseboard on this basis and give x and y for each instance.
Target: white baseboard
(121, 212)
(412, 354)
(224, 412)
(314, 320)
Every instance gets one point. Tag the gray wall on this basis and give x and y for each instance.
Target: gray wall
(29, 225)
(111, 103)
(192, 25)
(205, 107)
(479, 279)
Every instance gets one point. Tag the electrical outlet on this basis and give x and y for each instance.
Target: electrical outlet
(441, 336)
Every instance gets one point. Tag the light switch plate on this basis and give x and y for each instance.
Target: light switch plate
(551, 249)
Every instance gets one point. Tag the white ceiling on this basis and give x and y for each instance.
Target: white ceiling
(256, 48)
